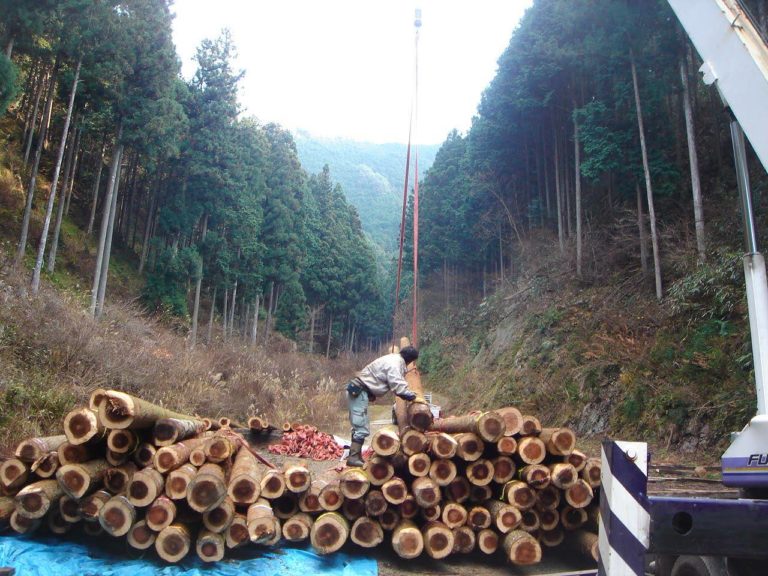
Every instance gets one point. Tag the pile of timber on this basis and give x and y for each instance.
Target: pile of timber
(174, 482)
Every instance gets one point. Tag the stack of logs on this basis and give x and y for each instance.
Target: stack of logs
(173, 482)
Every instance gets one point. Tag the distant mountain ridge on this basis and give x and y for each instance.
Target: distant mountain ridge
(371, 176)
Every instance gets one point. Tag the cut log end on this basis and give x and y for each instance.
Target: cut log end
(140, 536)
(407, 540)
(329, 532)
(173, 543)
(438, 540)
(487, 541)
(367, 532)
(521, 548)
(464, 540)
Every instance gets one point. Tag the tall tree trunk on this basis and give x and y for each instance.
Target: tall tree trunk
(559, 195)
(54, 183)
(225, 316)
(255, 327)
(567, 191)
(29, 135)
(198, 285)
(9, 48)
(35, 166)
(647, 173)
(641, 230)
(312, 316)
(269, 312)
(232, 309)
(70, 181)
(110, 236)
(547, 191)
(328, 340)
(693, 159)
(577, 181)
(116, 153)
(95, 193)
(196, 307)
(501, 255)
(62, 201)
(148, 225)
(210, 316)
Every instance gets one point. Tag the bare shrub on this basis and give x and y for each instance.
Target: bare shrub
(55, 355)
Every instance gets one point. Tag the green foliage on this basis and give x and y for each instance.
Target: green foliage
(371, 176)
(713, 290)
(8, 87)
(166, 286)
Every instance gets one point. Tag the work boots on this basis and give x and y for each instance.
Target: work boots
(355, 458)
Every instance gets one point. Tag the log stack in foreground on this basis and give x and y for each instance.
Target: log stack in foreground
(493, 481)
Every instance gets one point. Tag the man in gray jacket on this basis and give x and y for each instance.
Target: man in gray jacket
(375, 380)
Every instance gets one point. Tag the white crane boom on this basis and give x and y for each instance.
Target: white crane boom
(735, 58)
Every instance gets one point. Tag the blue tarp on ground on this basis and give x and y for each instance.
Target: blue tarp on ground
(52, 557)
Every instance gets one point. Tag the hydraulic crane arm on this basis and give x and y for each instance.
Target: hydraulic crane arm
(735, 59)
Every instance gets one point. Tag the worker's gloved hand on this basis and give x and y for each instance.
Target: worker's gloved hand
(420, 400)
(409, 396)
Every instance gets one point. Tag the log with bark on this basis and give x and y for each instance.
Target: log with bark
(34, 500)
(504, 516)
(489, 426)
(245, 478)
(169, 431)
(120, 410)
(77, 480)
(56, 522)
(117, 478)
(31, 449)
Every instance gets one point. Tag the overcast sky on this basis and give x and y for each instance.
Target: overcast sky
(345, 67)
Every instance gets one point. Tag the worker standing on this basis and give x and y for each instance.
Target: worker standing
(375, 380)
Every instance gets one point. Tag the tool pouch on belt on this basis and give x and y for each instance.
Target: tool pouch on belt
(353, 389)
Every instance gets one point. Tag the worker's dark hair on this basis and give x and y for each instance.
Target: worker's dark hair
(409, 354)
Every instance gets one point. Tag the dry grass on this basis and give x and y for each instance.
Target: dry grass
(53, 355)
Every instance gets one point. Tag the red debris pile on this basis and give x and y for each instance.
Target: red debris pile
(307, 442)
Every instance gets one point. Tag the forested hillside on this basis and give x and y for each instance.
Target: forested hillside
(211, 208)
(596, 188)
(371, 176)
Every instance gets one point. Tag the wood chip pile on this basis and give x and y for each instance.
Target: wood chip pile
(173, 482)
